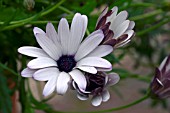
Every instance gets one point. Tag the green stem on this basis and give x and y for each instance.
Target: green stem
(142, 5)
(7, 68)
(147, 15)
(65, 10)
(27, 20)
(153, 27)
(123, 107)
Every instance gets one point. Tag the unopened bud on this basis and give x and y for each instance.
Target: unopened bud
(29, 4)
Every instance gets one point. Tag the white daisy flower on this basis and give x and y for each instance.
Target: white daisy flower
(97, 85)
(117, 29)
(64, 54)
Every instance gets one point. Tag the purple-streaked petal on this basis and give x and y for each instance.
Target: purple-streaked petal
(78, 28)
(27, 72)
(50, 86)
(82, 97)
(105, 95)
(41, 62)
(79, 78)
(89, 44)
(88, 69)
(46, 73)
(62, 83)
(64, 34)
(95, 62)
(96, 100)
(101, 51)
(102, 14)
(51, 33)
(32, 51)
(48, 46)
(38, 30)
(113, 79)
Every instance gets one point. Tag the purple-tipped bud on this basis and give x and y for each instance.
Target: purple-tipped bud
(97, 85)
(160, 86)
(116, 28)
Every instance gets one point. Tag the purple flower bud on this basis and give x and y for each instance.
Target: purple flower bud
(117, 30)
(160, 86)
(97, 85)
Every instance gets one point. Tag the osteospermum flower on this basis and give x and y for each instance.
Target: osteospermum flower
(64, 54)
(160, 86)
(117, 29)
(97, 85)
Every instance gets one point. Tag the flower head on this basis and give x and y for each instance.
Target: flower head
(117, 29)
(63, 54)
(97, 85)
(160, 86)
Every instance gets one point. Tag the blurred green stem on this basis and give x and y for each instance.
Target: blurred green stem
(8, 69)
(125, 106)
(143, 16)
(27, 20)
(65, 10)
(153, 27)
(143, 5)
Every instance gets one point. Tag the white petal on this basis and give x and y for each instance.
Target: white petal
(159, 82)
(64, 34)
(101, 51)
(104, 69)
(27, 72)
(163, 63)
(79, 78)
(88, 69)
(48, 46)
(113, 79)
(121, 44)
(46, 73)
(81, 97)
(51, 33)
(121, 29)
(89, 44)
(94, 61)
(38, 30)
(113, 15)
(50, 86)
(32, 51)
(96, 100)
(41, 62)
(78, 28)
(131, 25)
(62, 83)
(105, 95)
(120, 18)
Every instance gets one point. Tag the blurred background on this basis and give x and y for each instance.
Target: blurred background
(135, 63)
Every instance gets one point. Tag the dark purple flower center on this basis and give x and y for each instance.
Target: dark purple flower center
(66, 63)
(95, 83)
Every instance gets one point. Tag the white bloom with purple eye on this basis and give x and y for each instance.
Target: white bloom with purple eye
(63, 54)
(117, 29)
(97, 85)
